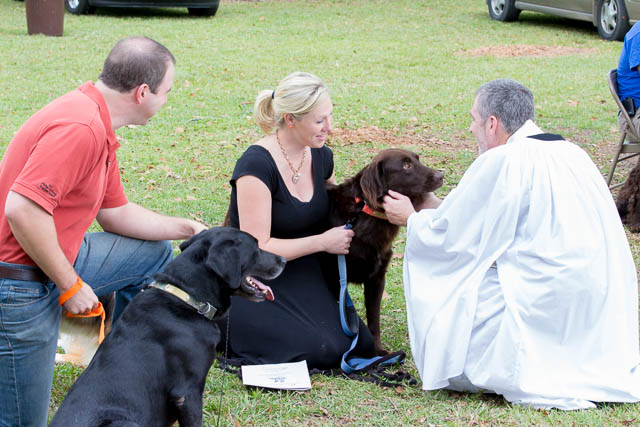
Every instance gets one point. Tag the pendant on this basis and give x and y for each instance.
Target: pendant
(295, 178)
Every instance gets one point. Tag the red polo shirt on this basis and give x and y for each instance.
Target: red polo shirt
(64, 159)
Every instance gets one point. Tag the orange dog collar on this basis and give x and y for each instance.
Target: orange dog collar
(371, 212)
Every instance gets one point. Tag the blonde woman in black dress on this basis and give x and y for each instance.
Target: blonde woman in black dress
(279, 196)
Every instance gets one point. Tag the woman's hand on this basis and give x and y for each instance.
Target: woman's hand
(337, 240)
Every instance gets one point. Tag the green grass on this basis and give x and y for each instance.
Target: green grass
(402, 66)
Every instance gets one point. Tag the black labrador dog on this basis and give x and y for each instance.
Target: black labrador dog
(151, 369)
(359, 199)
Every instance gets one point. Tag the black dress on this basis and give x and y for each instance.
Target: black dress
(303, 322)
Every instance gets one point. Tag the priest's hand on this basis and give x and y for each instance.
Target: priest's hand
(397, 207)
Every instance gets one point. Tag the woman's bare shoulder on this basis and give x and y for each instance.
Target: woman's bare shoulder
(266, 142)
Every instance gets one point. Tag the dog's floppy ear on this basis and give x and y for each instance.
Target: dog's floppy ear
(372, 184)
(184, 245)
(225, 259)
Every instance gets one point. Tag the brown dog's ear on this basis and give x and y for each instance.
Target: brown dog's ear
(372, 184)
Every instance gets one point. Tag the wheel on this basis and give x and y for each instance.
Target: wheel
(613, 19)
(77, 7)
(503, 10)
(203, 11)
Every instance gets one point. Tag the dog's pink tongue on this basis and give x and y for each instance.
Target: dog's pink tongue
(268, 293)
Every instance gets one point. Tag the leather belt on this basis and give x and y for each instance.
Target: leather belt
(26, 274)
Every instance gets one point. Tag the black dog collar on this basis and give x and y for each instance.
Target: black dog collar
(204, 308)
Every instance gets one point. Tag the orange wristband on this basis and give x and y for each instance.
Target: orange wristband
(70, 292)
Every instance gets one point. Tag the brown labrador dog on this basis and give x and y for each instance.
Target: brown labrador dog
(359, 199)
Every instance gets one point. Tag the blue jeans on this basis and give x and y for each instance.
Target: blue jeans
(30, 317)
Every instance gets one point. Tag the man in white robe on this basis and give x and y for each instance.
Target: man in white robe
(521, 282)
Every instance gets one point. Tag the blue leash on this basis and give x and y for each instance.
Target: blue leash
(351, 326)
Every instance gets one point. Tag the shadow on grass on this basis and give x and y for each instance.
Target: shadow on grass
(534, 20)
(147, 12)
(490, 398)
(558, 23)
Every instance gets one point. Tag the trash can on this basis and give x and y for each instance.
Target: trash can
(45, 17)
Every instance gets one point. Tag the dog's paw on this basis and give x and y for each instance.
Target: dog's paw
(380, 351)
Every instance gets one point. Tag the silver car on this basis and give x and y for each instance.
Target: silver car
(612, 17)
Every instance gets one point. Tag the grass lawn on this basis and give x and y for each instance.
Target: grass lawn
(402, 73)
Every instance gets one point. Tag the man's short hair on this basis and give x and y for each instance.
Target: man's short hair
(508, 100)
(134, 61)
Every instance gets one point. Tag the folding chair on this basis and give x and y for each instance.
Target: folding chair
(629, 140)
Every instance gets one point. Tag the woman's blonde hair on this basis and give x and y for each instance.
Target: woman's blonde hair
(296, 94)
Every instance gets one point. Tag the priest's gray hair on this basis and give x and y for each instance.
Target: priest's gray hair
(508, 100)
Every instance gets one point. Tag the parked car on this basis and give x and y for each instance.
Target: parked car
(612, 17)
(195, 7)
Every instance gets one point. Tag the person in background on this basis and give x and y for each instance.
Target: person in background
(629, 78)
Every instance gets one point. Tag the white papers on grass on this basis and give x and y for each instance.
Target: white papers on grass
(284, 376)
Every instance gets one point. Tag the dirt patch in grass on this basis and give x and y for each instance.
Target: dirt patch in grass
(506, 51)
(395, 138)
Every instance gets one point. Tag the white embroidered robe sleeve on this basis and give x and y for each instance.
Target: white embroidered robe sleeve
(556, 323)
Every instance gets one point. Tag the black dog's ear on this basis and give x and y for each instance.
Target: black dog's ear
(184, 245)
(224, 259)
(373, 184)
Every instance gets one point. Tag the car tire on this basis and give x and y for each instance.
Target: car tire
(77, 7)
(203, 11)
(503, 10)
(613, 19)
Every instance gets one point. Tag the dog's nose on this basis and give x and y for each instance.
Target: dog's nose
(438, 176)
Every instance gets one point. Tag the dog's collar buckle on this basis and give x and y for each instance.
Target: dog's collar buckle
(209, 312)
(204, 308)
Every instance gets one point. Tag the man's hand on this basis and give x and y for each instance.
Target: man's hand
(397, 207)
(82, 302)
(197, 227)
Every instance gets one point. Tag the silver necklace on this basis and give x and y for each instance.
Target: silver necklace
(296, 171)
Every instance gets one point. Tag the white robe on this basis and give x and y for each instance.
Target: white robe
(554, 322)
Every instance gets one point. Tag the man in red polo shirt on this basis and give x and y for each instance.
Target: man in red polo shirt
(58, 174)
